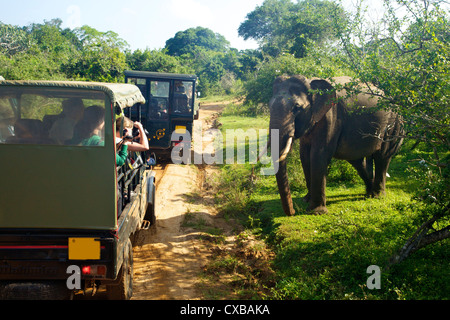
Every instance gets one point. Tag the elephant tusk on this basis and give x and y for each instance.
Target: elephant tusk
(286, 150)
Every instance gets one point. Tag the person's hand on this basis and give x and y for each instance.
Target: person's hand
(138, 125)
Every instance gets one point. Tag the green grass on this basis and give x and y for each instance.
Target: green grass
(327, 256)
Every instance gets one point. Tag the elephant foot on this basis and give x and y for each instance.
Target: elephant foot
(376, 194)
(318, 210)
(306, 198)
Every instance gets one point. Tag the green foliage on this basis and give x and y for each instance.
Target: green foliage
(282, 26)
(411, 67)
(45, 51)
(249, 61)
(13, 40)
(155, 61)
(327, 256)
(187, 41)
(101, 57)
(341, 172)
(407, 56)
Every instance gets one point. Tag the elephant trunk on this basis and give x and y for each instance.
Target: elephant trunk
(283, 123)
(281, 175)
(284, 189)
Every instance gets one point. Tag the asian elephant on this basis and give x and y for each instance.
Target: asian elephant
(331, 123)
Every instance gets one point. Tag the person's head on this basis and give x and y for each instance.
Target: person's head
(73, 108)
(123, 123)
(93, 120)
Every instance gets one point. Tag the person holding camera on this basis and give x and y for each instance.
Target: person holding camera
(130, 136)
(140, 140)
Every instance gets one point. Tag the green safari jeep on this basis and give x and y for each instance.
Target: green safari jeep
(68, 208)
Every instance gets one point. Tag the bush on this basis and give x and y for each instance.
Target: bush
(342, 172)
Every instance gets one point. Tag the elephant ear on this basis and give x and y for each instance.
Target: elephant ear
(323, 98)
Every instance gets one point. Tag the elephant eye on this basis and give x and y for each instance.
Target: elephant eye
(297, 108)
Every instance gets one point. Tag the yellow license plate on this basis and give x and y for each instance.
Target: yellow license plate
(180, 129)
(84, 249)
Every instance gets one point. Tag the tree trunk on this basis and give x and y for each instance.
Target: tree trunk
(422, 239)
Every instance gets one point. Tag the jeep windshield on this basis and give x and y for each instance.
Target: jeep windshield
(52, 116)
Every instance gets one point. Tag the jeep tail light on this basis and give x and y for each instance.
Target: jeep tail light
(94, 270)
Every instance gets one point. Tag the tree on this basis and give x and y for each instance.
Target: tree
(408, 58)
(210, 69)
(186, 41)
(249, 60)
(13, 40)
(283, 26)
(155, 61)
(101, 57)
(267, 25)
(37, 51)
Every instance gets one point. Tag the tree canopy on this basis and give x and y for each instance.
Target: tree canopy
(406, 54)
(190, 40)
(284, 26)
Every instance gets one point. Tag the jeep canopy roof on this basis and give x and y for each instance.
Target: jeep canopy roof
(160, 75)
(120, 94)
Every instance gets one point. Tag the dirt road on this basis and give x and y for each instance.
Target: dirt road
(169, 256)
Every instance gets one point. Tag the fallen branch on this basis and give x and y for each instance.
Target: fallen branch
(422, 238)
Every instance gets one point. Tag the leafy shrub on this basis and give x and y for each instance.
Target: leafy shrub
(342, 172)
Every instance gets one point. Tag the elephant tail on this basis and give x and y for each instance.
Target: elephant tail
(394, 137)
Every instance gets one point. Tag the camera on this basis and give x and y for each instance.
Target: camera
(125, 136)
(135, 133)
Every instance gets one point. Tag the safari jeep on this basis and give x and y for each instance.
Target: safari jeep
(68, 212)
(171, 107)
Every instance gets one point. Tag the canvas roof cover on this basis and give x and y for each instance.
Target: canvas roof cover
(121, 94)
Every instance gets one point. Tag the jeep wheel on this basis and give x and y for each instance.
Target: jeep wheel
(124, 289)
(150, 214)
(34, 290)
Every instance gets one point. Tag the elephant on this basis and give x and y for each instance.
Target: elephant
(331, 123)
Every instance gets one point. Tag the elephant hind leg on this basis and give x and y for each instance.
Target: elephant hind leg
(365, 171)
(381, 168)
(305, 150)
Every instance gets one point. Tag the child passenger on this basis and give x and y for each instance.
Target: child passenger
(124, 126)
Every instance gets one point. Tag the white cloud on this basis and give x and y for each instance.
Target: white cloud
(192, 11)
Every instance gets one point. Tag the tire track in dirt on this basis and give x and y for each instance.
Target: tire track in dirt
(168, 258)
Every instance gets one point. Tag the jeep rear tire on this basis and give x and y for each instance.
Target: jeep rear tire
(124, 289)
(34, 290)
(150, 214)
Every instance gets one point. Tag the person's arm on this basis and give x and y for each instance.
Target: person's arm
(121, 156)
(143, 141)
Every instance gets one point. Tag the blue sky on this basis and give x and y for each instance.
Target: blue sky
(142, 23)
